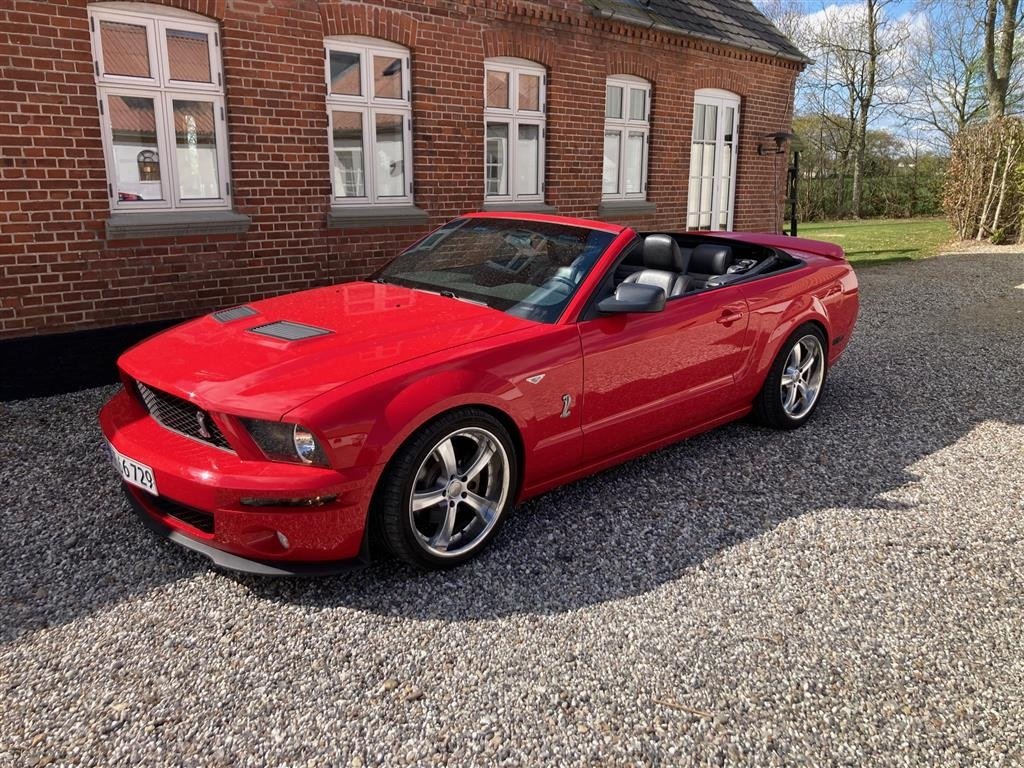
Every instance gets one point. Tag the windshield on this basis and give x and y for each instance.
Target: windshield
(529, 269)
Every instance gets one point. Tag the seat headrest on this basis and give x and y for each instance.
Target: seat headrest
(662, 252)
(711, 259)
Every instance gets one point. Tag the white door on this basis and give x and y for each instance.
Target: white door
(716, 119)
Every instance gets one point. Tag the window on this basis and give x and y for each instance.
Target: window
(161, 92)
(716, 119)
(369, 112)
(627, 129)
(514, 106)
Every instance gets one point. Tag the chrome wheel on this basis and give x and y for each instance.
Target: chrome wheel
(459, 492)
(802, 376)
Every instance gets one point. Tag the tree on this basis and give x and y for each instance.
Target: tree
(859, 64)
(999, 52)
(945, 73)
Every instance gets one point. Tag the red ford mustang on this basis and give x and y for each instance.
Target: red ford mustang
(500, 356)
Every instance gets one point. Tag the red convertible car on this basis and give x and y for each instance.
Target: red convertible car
(500, 356)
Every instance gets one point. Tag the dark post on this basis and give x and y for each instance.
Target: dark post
(794, 180)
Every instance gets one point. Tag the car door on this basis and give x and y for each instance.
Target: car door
(648, 376)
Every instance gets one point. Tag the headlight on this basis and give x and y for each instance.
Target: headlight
(286, 442)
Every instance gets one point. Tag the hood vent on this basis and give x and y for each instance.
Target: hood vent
(286, 330)
(235, 313)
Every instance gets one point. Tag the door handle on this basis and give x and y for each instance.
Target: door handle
(729, 316)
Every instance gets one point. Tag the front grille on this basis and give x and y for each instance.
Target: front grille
(181, 416)
(201, 521)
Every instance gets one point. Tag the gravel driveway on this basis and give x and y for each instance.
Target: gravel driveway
(850, 593)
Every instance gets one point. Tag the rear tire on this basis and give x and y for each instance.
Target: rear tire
(446, 491)
(793, 388)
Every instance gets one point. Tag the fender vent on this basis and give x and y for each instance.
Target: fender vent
(235, 313)
(288, 331)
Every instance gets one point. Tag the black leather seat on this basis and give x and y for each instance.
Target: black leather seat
(708, 260)
(664, 266)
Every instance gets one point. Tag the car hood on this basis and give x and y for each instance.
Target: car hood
(362, 328)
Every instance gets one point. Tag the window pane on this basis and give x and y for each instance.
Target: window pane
(497, 89)
(612, 139)
(390, 161)
(347, 138)
(528, 160)
(637, 104)
(136, 154)
(188, 54)
(125, 49)
(387, 77)
(634, 164)
(529, 92)
(346, 76)
(730, 121)
(711, 123)
(496, 159)
(196, 150)
(613, 102)
(698, 122)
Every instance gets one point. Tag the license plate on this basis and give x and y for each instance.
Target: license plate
(134, 472)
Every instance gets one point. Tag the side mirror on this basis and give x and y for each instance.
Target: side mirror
(633, 297)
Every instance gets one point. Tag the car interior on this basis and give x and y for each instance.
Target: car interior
(681, 264)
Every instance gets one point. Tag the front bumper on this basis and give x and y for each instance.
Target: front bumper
(208, 483)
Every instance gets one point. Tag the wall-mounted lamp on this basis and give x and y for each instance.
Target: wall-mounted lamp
(779, 138)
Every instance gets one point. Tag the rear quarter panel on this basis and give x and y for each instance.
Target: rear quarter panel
(823, 290)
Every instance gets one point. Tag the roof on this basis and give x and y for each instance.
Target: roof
(733, 22)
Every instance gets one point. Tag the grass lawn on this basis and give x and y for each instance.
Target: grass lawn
(881, 240)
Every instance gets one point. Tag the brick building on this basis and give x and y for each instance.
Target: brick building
(162, 159)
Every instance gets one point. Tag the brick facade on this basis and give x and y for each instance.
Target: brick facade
(59, 272)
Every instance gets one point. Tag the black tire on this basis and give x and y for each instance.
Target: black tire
(768, 405)
(392, 520)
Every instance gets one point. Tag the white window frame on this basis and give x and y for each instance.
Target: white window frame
(722, 100)
(369, 105)
(163, 91)
(515, 116)
(624, 126)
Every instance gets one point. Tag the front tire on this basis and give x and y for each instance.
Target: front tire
(792, 390)
(445, 493)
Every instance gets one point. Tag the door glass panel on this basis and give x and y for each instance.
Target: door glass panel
(528, 160)
(196, 150)
(387, 77)
(634, 163)
(125, 49)
(136, 153)
(347, 138)
(710, 123)
(496, 159)
(346, 74)
(497, 89)
(529, 92)
(613, 102)
(390, 163)
(637, 104)
(612, 139)
(188, 55)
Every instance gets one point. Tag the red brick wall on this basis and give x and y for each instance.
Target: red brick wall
(58, 272)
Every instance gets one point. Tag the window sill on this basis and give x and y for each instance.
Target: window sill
(626, 208)
(367, 216)
(535, 207)
(141, 224)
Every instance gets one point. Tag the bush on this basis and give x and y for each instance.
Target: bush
(984, 192)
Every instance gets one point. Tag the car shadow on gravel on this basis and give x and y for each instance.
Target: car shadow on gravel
(927, 365)
(908, 387)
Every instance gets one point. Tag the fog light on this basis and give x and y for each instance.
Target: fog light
(282, 540)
